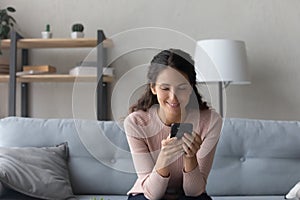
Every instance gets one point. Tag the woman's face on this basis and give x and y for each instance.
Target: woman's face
(173, 91)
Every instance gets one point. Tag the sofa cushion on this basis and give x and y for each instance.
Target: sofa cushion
(124, 197)
(37, 172)
(248, 197)
(102, 197)
(294, 193)
(256, 157)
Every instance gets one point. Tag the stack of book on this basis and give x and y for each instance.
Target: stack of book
(37, 69)
(4, 69)
(4, 66)
(89, 69)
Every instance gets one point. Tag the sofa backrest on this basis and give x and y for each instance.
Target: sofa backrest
(99, 161)
(256, 157)
(253, 157)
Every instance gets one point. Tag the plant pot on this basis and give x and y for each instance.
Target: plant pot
(77, 35)
(46, 34)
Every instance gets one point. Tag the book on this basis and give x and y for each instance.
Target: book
(31, 72)
(83, 71)
(39, 68)
(90, 71)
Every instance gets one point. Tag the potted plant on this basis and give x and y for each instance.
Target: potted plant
(47, 33)
(77, 31)
(7, 22)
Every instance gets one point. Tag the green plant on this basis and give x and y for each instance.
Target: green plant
(6, 22)
(48, 28)
(77, 27)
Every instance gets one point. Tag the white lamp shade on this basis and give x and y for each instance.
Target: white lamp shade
(221, 60)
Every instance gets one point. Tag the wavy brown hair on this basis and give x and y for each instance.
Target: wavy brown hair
(182, 62)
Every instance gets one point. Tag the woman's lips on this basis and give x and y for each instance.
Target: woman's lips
(174, 105)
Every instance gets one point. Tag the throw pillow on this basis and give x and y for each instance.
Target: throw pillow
(36, 172)
(294, 193)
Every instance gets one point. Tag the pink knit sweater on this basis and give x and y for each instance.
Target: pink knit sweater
(145, 131)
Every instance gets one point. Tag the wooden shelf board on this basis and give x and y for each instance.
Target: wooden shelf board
(55, 78)
(4, 78)
(56, 43)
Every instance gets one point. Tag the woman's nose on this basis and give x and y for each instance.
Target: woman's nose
(173, 94)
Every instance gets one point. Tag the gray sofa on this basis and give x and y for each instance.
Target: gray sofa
(255, 159)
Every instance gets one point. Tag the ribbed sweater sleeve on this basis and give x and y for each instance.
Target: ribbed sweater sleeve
(194, 182)
(149, 181)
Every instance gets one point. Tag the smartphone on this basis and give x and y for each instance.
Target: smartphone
(178, 129)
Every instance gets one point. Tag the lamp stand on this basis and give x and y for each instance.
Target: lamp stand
(222, 86)
(221, 98)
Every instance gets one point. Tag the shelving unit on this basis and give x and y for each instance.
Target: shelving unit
(54, 78)
(17, 42)
(55, 43)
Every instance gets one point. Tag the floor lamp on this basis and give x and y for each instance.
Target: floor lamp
(221, 61)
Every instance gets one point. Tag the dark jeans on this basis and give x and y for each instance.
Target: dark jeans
(203, 196)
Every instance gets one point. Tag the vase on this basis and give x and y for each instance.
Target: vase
(46, 34)
(77, 35)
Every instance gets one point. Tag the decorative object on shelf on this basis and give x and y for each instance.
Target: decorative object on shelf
(4, 65)
(77, 31)
(37, 69)
(90, 71)
(44, 68)
(86, 68)
(221, 61)
(7, 22)
(47, 33)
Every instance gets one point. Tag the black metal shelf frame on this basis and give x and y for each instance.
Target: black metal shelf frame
(101, 96)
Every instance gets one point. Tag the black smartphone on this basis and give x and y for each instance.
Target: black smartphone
(178, 129)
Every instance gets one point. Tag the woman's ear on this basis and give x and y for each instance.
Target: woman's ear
(152, 87)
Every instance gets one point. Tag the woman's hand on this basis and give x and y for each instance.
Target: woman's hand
(191, 144)
(171, 150)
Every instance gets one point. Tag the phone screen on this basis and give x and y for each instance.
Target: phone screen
(178, 129)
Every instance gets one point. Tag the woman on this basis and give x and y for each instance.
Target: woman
(171, 168)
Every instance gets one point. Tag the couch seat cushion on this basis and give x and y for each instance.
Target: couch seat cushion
(105, 197)
(248, 198)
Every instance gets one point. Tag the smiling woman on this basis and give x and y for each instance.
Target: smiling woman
(183, 65)
(168, 167)
(173, 91)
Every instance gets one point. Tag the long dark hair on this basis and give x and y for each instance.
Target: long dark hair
(182, 62)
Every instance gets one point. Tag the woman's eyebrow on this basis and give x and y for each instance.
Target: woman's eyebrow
(166, 84)
(183, 84)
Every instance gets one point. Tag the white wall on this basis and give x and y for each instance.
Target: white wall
(270, 29)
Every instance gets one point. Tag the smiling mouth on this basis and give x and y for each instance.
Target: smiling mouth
(174, 105)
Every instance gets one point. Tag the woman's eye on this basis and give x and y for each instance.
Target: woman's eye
(182, 87)
(164, 88)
